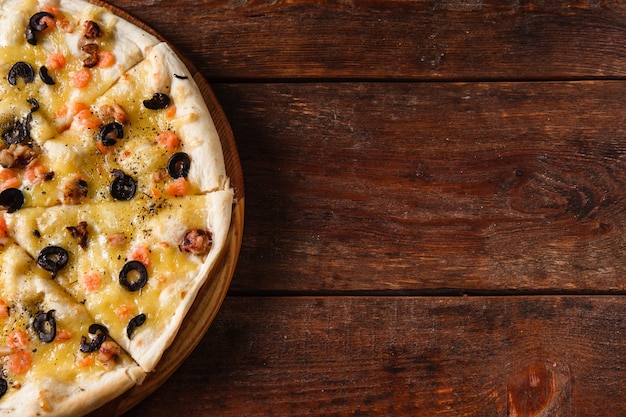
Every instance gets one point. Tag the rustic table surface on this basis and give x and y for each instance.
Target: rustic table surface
(435, 207)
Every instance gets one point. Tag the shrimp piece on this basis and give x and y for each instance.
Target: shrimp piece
(20, 362)
(80, 79)
(178, 188)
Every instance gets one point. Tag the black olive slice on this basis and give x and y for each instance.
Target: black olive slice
(157, 102)
(123, 186)
(52, 258)
(178, 165)
(30, 36)
(36, 23)
(180, 77)
(137, 269)
(93, 345)
(21, 70)
(45, 77)
(100, 333)
(134, 323)
(46, 326)
(12, 199)
(110, 132)
(95, 328)
(33, 102)
(18, 133)
(4, 387)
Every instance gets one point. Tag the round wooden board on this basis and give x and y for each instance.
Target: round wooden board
(211, 295)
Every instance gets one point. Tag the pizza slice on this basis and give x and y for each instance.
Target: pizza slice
(55, 359)
(137, 268)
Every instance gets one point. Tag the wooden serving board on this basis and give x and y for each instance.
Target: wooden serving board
(211, 295)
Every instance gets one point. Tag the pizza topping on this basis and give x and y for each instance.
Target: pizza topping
(36, 171)
(110, 132)
(18, 339)
(80, 232)
(140, 253)
(93, 345)
(133, 276)
(106, 59)
(46, 326)
(86, 118)
(20, 362)
(17, 156)
(9, 179)
(116, 239)
(18, 132)
(100, 333)
(80, 79)
(56, 61)
(45, 76)
(113, 113)
(38, 23)
(123, 186)
(63, 335)
(21, 70)
(12, 199)
(4, 387)
(157, 102)
(75, 189)
(197, 242)
(35, 105)
(178, 165)
(108, 354)
(91, 49)
(52, 258)
(4, 308)
(92, 30)
(134, 323)
(168, 139)
(92, 281)
(178, 188)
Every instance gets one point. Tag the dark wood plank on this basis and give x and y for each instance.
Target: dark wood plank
(422, 356)
(417, 187)
(441, 40)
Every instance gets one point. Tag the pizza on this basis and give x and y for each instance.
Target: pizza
(115, 204)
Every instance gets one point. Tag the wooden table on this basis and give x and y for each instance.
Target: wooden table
(435, 208)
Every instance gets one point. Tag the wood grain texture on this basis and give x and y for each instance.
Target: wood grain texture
(404, 356)
(409, 40)
(427, 187)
